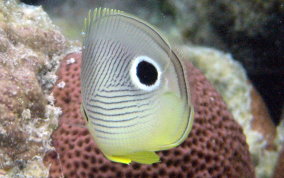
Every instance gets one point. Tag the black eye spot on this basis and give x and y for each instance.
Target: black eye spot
(146, 73)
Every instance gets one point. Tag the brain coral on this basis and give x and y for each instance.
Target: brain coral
(243, 101)
(216, 146)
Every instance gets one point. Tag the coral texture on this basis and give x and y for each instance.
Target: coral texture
(278, 173)
(30, 49)
(215, 147)
(247, 107)
(261, 121)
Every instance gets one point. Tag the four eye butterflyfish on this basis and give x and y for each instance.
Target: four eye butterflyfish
(135, 95)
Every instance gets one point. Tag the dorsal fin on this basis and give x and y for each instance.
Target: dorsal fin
(97, 13)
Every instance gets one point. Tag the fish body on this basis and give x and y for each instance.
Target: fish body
(135, 96)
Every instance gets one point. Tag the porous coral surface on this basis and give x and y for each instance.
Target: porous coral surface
(247, 107)
(215, 147)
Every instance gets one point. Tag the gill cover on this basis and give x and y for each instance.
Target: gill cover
(135, 95)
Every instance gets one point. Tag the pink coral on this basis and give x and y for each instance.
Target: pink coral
(215, 147)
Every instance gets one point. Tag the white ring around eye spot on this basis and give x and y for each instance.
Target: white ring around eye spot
(135, 79)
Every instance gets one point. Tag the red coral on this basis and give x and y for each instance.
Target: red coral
(216, 146)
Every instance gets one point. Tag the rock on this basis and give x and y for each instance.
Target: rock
(30, 50)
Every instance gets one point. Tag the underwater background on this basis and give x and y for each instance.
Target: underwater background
(252, 31)
(237, 45)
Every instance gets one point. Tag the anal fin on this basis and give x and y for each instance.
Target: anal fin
(144, 157)
(119, 159)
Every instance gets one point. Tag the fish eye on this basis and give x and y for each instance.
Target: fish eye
(145, 73)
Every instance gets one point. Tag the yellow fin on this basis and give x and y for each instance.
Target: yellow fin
(119, 159)
(144, 157)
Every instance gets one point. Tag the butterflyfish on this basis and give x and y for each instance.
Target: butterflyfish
(135, 95)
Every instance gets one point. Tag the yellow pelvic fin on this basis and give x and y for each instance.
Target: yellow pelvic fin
(144, 157)
(119, 159)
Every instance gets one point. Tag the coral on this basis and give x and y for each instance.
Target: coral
(280, 165)
(278, 173)
(230, 79)
(262, 122)
(30, 49)
(215, 147)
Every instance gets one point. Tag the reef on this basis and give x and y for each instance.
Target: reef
(30, 50)
(215, 147)
(73, 142)
(278, 172)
